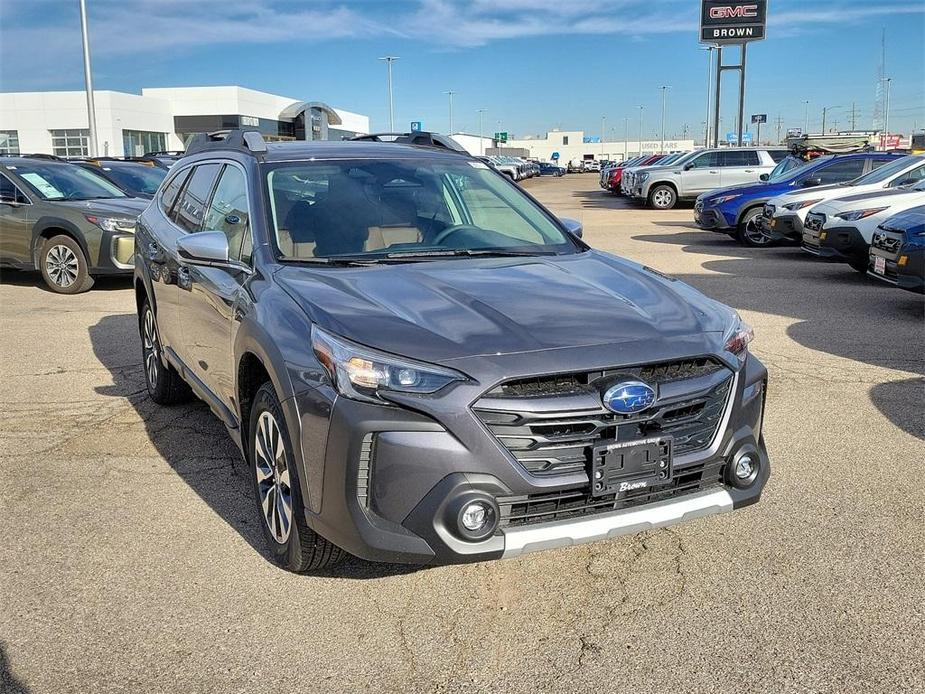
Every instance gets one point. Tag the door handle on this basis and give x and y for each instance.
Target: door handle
(749, 171)
(714, 172)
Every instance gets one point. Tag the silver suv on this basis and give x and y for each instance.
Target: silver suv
(662, 186)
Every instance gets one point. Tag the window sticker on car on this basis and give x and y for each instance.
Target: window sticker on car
(478, 165)
(43, 186)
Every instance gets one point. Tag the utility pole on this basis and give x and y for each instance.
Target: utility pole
(603, 120)
(779, 123)
(389, 59)
(88, 79)
(450, 94)
(706, 134)
(824, 109)
(853, 117)
(641, 108)
(806, 117)
(886, 113)
(481, 113)
(665, 89)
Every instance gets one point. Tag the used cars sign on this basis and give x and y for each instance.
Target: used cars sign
(724, 22)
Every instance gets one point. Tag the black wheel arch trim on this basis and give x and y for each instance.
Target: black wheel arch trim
(67, 228)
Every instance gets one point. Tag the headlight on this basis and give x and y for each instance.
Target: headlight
(361, 373)
(738, 337)
(800, 205)
(643, 177)
(725, 198)
(854, 215)
(112, 223)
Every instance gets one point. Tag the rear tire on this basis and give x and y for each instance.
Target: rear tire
(663, 197)
(165, 385)
(292, 544)
(64, 266)
(749, 234)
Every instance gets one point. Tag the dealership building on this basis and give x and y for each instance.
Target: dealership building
(575, 144)
(160, 119)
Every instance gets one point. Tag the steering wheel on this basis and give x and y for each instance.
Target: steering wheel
(449, 231)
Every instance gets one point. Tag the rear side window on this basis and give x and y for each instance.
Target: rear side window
(171, 190)
(841, 171)
(909, 178)
(9, 191)
(189, 211)
(228, 212)
(706, 160)
(739, 157)
(778, 155)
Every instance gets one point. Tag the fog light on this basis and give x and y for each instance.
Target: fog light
(475, 515)
(745, 466)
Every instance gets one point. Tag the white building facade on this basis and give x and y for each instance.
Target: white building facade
(160, 119)
(574, 145)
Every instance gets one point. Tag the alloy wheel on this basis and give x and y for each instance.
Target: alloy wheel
(754, 234)
(62, 265)
(273, 480)
(662, 198)
(151, 347)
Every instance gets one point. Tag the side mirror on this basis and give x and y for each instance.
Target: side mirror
(688, 166)
(572, 226)
(764, 177)
(204, 248)
(811, 182)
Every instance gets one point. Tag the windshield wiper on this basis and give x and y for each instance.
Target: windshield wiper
(465, 252)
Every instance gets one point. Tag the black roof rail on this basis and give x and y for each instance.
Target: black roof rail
(247, 141)
(37, 155)
(165, 153)
(420, 138)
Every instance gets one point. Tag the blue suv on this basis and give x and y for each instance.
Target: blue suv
(734, 210)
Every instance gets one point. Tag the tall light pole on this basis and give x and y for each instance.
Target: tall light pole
(389, 59)
(665, 89)
(626, 137)
(88, 79)
(603, 120)
(806, 117)
(481, 113)
(641, 108)
(706, 135)
(886, 113)
(450, 94)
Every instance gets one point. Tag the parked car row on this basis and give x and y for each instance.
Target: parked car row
(863, 209)
(515, 168)
(73, 220)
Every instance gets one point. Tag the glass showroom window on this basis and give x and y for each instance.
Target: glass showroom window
(136, 143)
(70, 143)
(9, 142)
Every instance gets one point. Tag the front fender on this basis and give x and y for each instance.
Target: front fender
(85, 239)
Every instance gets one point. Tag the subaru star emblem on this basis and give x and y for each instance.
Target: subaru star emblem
(628, 397)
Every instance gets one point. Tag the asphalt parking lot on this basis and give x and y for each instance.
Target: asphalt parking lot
(131, 557)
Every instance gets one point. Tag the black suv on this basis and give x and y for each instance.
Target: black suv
(421, 364)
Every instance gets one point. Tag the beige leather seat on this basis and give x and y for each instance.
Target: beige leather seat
(381, 237)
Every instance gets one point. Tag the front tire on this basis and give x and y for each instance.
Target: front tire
(165, 386)
(293, 545)
(64, 266)
(663, 197)
(749, 234)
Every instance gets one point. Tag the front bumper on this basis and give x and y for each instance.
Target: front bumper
(836, 243)
(710, 218)
(393, 481)
(116, 255)
(785, 226)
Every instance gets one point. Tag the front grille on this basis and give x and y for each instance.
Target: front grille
(575, 503)
(551, 424)
(888, 243)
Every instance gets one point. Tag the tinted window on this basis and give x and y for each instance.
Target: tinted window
(58, 181)
(189, 210)
(909, 178)
(840, 171)
(706, 160)
(135, 178)
(739, 157)
(8, 191)
(172, 189)
(778, 154)
(892, 168)
(228, 211)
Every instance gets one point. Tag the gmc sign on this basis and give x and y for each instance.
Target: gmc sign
(724, 22)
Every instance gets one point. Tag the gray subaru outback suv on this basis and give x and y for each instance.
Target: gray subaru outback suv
(421, 364)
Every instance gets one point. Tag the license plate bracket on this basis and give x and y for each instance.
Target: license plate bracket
(879, 264)
(618, 467)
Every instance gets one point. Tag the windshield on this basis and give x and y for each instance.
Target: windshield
(790, 167)
(886, 171)
(375, 209)
(59, 181)
(135, 178)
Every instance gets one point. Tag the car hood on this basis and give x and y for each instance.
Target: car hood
(755, 188)
(129, 207)
(442, 310)
(893, 196)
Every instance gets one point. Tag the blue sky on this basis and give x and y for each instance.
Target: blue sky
(533, 64)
